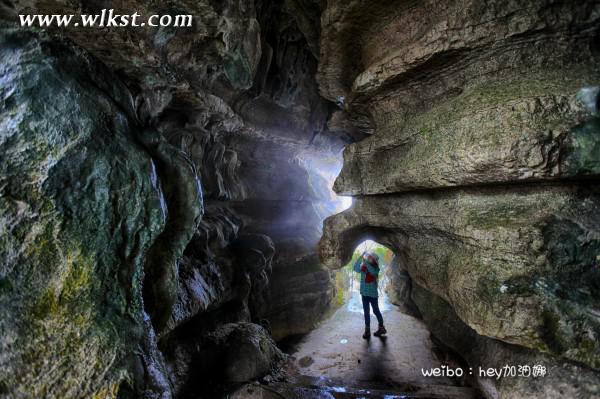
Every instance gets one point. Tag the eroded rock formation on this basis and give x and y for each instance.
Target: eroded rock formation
(162, 190)
(81, 204)
(481, 173)
(155, 193)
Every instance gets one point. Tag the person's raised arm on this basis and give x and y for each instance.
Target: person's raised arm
(356, 266)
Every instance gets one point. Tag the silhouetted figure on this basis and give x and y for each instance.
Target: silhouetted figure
(368, 267)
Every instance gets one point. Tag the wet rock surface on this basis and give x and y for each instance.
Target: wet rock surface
(337, 352)
(318, 389)
(334, 361)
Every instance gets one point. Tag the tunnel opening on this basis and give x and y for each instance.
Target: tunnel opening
(347, 281)
(338, 358)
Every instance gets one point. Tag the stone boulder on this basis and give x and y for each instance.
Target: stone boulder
(241, 352)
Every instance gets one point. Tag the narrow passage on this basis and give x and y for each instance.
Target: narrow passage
(336, 357)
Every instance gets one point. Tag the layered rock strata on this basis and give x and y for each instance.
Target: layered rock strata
(480, 171)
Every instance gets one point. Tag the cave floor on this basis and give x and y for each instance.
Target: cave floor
(336, 357)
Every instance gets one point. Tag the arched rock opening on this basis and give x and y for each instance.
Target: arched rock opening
(457, 262)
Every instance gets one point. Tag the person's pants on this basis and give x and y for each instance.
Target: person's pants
(368, 302)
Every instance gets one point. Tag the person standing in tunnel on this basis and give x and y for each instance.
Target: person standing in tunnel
(368, 267)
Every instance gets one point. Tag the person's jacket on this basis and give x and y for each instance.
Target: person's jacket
(368, 277)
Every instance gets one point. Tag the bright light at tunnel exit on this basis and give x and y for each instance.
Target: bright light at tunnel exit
(367, 245)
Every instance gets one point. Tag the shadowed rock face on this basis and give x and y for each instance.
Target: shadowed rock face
(480, 171)
(81, 203)
(153, 189)
(564, 379)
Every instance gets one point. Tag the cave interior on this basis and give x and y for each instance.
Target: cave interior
(179, 205)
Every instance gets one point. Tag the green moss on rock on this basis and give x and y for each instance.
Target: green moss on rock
(521, 128)
(581, 157)
(80, 210)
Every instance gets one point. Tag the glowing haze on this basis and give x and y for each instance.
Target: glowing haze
(326, 167)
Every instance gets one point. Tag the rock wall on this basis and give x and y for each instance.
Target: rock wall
(81, 204)
(159, 196)
(154, 196)
(480, 170)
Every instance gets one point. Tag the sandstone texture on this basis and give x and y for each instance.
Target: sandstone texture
(480, 171)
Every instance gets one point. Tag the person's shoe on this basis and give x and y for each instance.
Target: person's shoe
(380, 331)
(367, 333)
